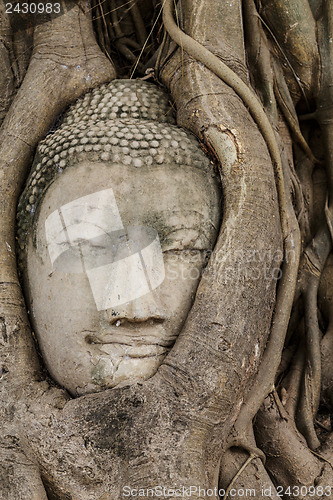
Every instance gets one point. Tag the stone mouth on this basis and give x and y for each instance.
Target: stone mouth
(130, 347)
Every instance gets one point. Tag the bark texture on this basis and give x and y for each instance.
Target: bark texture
(192, 423)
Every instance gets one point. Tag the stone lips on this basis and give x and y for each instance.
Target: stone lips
(127, 122)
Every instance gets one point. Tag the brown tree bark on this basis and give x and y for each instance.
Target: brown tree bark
(236, 360)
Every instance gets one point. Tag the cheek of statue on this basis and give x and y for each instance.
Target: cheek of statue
(109, 290)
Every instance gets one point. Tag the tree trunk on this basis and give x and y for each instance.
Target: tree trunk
(240, 403)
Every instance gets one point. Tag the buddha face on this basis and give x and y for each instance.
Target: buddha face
(112, 268)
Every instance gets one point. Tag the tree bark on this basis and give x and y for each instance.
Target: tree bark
(191, 424)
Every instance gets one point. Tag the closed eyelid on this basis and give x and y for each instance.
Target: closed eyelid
(84, 218)
(202, 217)
(194, 251)
(83, 238)
(199, 240)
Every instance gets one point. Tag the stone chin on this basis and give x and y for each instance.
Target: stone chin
(108, 371)
(104, 375)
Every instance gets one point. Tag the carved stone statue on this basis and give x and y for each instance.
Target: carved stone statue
(110, 258)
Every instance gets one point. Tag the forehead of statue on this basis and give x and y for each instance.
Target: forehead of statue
(179, 203)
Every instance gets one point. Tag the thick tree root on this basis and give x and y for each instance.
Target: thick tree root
(264, 380)
(298, 45)
(200, 53)
(277, 437)
(61, 69)
(315, 255)
(325, 300)
(66, 62)
(285, 103)
(311, 381)
(204, 414)
(258, 52)
(311, 268)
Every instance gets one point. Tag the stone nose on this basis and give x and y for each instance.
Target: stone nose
(145, 308)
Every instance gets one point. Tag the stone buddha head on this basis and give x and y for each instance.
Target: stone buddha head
(115, 225)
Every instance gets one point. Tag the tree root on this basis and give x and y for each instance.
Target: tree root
(251, 477)
(276, 437)
(285, 103)
(282, 412)
(322, 458)
(298, 45)
(200, 53)
(66, 62)
(53, 80)
(103, 31)
(325, 300)
(140, 28)
(311, 381)
(291, 384)
(264, 379)
(234, 479)
(260, 58)
(313, 262)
